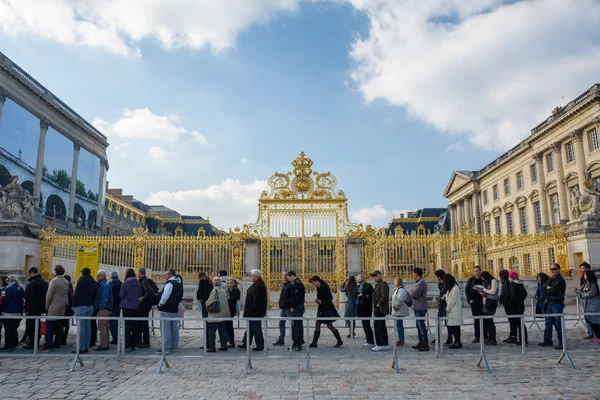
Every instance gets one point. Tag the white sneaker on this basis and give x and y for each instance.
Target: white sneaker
(380, 348)
(369, 345)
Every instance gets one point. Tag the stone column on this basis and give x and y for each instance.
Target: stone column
(560, 182)
(2, 100)
(477, 212)
(579, 156)
(39, 166)
(101, 189)
(452, 209)
(76, 148)
(459, 214)
(469, 211)
(539, 162)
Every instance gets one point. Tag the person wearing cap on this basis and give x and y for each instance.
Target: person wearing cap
(418, 292)
(115, 287)
(381, 308)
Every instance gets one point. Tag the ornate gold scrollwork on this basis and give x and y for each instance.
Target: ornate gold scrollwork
(140, 237)
(47, 252)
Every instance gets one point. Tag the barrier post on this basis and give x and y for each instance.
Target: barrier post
(523, 334)
(289, 329)
(123, 333)
(533, 302)
(395, 363)
(578, 304)
(438, 337)
(565, 353)
(482, 356)
(248, 363)
(205, 347)
(36, 339)
(307, 347)
(77, 358)
(163, 358)
(265, 328)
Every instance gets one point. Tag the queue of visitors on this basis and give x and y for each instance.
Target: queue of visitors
(220, 298)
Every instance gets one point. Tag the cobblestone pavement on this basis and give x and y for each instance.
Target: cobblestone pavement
(349, 371)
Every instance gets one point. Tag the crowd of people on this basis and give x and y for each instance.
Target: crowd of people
(219, 299)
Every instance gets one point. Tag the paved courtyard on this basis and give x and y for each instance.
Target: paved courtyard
(350, 371)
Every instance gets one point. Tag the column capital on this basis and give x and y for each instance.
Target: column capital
(538, 157)
(76, 146)
(44, 124)
(577, 135)
(104, 163)
(556, 147)
(596, 120)
(3, 95)
(460, 201)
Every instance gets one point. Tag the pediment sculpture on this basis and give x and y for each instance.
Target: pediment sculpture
(16, 203)
(589, 202)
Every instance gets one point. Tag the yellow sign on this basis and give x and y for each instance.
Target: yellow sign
(88, 255)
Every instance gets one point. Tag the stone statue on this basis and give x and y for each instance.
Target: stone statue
(589, 203)
(575, 197)
(16, 203)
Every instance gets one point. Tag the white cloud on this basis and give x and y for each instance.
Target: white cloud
(376, 215)
(244, 161)
(199, 138)
(158, 153)
(458, 146)
(480, 68)
(229, 203)
(118, 26)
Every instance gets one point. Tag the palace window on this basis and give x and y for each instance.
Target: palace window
(506, 187)
(485, 197)
(498, 228)
(509, 223)
(519, 180)
(523, 215)
(550, 162)
(538, 215)
(488, 227)
(555, 209)
(495, 190)
(534, 176)
(570, 150)
(593, 140)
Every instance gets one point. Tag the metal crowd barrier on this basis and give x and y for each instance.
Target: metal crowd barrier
(163, 357)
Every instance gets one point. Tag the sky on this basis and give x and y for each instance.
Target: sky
(203, 100)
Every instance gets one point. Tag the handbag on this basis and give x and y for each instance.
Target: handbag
(215, 307)
(489, 308)
(43, 328)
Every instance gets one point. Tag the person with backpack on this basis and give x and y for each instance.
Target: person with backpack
(453, 309)
(149, 289)
(515, 303)
(168, 305)
(103, 305)
(351, 289)
(400, 308)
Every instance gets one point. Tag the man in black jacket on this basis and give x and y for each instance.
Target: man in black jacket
(365, 308)
(168, 305)
(255, 307)
(35, 304)
(83, 303)
(204, 289)
(475, 299)
(296, 305)
(148, 293)
(284, 308)
(555, 297)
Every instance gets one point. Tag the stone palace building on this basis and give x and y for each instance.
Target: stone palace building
(546, 180)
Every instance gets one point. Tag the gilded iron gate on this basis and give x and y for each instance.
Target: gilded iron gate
(302, 225)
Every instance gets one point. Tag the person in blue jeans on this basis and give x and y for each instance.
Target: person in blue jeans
(170, 297)
(83, 304)
(582, 268)
(418, 292)
(555, 298)
(399, 309)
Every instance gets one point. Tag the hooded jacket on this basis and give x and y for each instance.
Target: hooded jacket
(35, 296)
(85, 291)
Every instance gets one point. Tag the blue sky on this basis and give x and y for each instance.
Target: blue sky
(391, 109)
